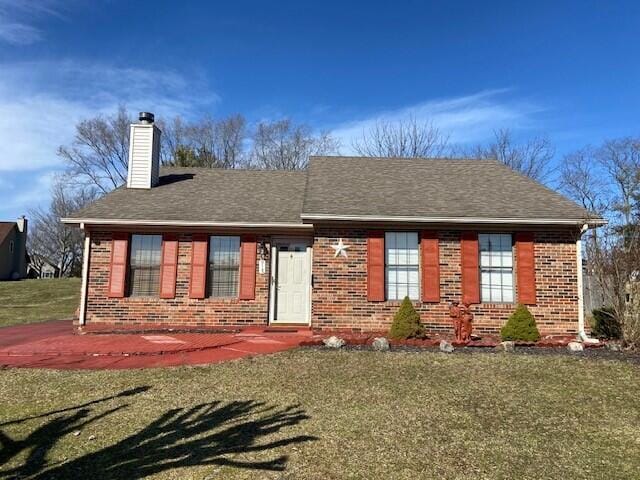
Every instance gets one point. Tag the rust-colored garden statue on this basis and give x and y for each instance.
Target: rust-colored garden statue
(462, 321)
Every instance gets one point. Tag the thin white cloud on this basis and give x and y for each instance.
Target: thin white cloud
(18, 33)
(466, 119)
(17, 18)
(41, 102)
(21, 192)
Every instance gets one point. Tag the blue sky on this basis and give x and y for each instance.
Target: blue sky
(569, 70)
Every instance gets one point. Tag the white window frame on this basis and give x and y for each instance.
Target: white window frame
(496, 267)
(406, 263)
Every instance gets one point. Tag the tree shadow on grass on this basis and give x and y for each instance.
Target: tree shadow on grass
(217, 434)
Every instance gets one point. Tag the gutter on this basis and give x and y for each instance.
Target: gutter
(462, 220)
(82, 317)
(178, 223)
(581, 331)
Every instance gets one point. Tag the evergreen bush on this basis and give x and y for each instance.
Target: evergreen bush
(520, 326)
(406, 322)
(605, 323)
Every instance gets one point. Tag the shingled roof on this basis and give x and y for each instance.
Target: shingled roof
(5, 230)
(429, 189)
(339, 188)
(204, 195)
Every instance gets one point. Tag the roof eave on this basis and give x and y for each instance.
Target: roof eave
(179, 223)
(457, 220)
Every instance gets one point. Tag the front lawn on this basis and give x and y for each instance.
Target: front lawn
(28, 301)
(310, 414)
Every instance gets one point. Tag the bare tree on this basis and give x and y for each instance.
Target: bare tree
(282, 145)
(615, 264)
(51, 239)
(205, 143)
(581, 180)
(606, 180)
(620, 158)
(403, 138)
(99, 153)
(531, 158)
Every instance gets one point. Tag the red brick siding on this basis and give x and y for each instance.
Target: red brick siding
(339, 298)
(179, 310)
(340, 291)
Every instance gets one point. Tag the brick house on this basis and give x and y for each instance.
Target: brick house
(337, 246)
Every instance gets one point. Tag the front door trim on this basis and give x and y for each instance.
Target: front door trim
(273, 280)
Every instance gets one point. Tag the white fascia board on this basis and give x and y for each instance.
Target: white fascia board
(179, 223)
(460, 220)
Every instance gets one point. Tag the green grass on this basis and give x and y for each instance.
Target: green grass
(29, 301)
(309, 414)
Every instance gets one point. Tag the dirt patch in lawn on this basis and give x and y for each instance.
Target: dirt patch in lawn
(312, 414)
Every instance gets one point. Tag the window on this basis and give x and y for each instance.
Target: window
(224, 266)
(11, 245)
(144, 272)
(401, 261)
(496, 267)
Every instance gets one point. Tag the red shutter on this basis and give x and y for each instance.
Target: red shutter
(199, 247)
(118, 267)
(375, 266)
(168, 266)
(430, 266)
(526, 268)
(248, 250)
(470, 268)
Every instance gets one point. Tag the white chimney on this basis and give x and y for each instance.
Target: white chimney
(144, 153)
(21, 223)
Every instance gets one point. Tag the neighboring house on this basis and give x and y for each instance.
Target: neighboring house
(41, 267)
(335, 247)
(13, 249)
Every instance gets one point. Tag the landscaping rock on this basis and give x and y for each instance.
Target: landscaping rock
(446, 347)
(508, 347)
(614, 346)
(334, 342)
(380, 344)
(575, 347)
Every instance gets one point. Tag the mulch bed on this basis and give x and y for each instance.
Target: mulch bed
(600, 352)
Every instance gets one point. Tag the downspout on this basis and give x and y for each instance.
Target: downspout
(85, 276)
(581, 332)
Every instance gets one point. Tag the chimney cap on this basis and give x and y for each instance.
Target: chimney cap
(146, 117)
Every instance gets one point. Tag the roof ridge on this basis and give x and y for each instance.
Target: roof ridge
(415, 159)
(217, 169)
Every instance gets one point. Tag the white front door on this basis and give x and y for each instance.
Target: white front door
(292, 282)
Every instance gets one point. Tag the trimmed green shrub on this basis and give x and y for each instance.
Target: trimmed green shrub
(406, 322)
(605, 323)
(520, 326)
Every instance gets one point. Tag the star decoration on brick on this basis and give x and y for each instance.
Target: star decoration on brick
(340, 248)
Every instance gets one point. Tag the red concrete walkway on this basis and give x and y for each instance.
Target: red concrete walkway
(57, 345)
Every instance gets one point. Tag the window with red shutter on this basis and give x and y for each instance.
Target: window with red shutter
(526, 268)
(470, 271)
(168, 266)
(375, 266)
(118, 267)
(430, 251)
(198, 281)
(248, 258)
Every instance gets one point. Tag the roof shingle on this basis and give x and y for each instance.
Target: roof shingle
(429, 188)
(339, 186)
(207, 195)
